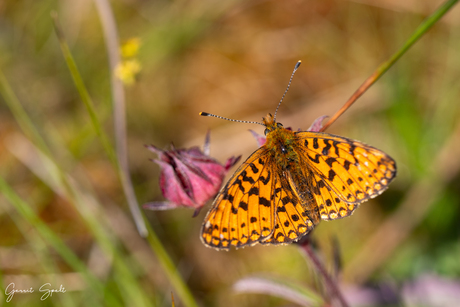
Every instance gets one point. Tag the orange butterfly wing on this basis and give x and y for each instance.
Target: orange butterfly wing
(243, 212)
(296, 210)
(345, 172)
(260, 203)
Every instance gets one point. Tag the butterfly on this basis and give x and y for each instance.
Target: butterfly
(291, 183)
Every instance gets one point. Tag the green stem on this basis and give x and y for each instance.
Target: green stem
(419, 32)
(20, 114)
(80, 85)
(182, 290)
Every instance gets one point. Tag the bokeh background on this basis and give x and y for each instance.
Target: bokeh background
(231, 58)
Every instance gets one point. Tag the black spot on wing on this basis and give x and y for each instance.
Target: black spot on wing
(315, 143)
(228, 197)
(246, 178)
(320, 184)
(330, 160)
(265, 180)
(254, 168)
(346, 165)
(264, 202)
(334, 144)
(352, 148)
(281, 209)
(326, 148)
(286, 200)
(332, 174)
(253, 191)
(315, 159)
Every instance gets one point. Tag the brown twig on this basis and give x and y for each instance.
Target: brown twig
(361, 90)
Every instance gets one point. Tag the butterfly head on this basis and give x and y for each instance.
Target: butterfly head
(270, 124)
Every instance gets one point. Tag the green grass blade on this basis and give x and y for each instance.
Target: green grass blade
(86, 98)
(20, 115)
(182, 290)
(383, 68)
(53, 240)
(418, 33)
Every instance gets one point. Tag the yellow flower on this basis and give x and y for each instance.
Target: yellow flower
(130, 48)
(127, 70)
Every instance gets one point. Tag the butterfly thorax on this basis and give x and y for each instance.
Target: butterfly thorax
(280, 142)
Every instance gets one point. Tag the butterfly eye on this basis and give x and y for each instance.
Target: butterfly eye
(279, 125)
(266, 131)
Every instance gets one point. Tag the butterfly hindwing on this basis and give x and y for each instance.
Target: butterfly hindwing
(296, 214)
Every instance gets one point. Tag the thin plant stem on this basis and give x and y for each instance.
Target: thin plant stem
(181, 288)
(81, 88)
(331, 284)
(20, 114)
(383, 68)
(119, 117)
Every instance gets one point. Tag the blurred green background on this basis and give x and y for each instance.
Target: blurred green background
(231, 58)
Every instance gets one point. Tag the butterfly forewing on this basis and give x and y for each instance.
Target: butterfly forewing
(243, 214)
(346, 172)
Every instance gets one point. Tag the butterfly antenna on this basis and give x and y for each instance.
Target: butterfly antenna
(232, 120)
(287, 89)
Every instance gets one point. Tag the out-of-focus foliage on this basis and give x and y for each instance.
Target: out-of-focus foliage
(231, 58)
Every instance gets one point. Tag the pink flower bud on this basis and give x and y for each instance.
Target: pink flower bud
(188, 177)
(317, 124)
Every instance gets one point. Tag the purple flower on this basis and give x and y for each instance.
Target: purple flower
(188, 177)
